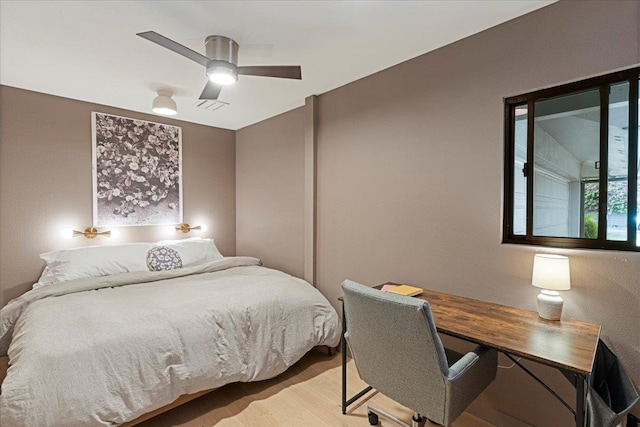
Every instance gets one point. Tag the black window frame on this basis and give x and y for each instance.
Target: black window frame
(603, 83)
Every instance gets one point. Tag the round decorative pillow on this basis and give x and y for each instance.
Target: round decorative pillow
(163, 258)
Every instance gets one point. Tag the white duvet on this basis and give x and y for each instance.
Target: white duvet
(103, 351)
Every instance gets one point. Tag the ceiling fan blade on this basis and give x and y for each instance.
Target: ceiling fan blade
(281, 71)
(211, 91)
(176, 47)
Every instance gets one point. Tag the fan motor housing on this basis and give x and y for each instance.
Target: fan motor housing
(221, 48)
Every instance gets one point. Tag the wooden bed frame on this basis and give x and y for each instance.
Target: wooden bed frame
(4, 365)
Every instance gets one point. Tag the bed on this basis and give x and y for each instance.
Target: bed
(105, 350)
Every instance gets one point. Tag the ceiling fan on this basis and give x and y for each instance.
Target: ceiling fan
(221, 62)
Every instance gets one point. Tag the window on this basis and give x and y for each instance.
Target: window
(571, 165)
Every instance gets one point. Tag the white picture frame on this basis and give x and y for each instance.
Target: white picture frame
(137, 172)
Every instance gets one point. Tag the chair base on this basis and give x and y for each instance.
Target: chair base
(374, 413)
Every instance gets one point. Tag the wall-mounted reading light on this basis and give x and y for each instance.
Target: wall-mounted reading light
(185, 228)
(89, 233)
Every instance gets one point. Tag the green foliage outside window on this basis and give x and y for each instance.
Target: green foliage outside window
(590, 227)
(617, 197)
(591, 197)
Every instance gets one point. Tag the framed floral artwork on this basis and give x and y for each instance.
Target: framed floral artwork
(137, 172)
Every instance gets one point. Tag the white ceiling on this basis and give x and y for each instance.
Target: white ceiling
(88, 50)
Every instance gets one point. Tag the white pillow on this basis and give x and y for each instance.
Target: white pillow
(93, 261)
(194, 250)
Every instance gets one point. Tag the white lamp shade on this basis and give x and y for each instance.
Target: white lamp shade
(551, 272)
(164, 104)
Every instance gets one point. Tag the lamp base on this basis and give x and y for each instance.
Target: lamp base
(550, 305)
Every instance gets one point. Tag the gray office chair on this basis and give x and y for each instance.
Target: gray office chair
(396, 349)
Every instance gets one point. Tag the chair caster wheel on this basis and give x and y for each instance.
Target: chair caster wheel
(373, 419)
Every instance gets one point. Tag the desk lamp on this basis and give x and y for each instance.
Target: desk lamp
(551, 273)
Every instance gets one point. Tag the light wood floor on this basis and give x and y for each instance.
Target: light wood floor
(307, 395)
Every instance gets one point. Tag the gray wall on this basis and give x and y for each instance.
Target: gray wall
(270, 192)
(410, 165)
(45, 182)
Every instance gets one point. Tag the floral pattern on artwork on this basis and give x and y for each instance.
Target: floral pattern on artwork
(137, 172)
(163, 258)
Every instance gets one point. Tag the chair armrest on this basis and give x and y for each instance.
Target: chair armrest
(467, 361)
(468, 377)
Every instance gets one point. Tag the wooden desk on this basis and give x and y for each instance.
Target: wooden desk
(568, 345)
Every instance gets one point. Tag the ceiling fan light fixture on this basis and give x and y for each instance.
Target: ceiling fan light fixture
(221, 63)
(222, 73)
(164, 104)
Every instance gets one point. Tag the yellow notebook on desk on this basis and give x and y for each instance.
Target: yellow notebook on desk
(405, 290)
